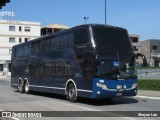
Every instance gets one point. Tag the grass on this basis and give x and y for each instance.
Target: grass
(149, 85)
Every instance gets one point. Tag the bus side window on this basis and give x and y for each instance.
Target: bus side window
(13, 52)
(32, 70)
(35, 47)
(71, 39)
(20, 51)
(81, 37)
(50, 69)
(64, 40)
(26, 50)
(44, 45)
(40, 70)
(60, 68)
(55, 43)
(68, 69)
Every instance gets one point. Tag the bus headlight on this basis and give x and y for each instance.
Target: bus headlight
(103, 86)
(134, 85)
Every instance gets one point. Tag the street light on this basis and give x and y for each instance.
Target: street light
(86, 18)
(105, 12)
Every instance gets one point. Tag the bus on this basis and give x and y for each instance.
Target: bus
(92, 61)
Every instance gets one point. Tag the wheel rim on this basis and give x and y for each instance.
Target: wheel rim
(26, 87)
(20, 86)
(72, 93)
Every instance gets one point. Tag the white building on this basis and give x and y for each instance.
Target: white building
(12, 33)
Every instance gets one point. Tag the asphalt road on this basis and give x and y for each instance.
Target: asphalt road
(12, 100)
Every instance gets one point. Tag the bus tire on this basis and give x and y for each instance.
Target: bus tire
(21, 86)
(26, 87)
(71, 93)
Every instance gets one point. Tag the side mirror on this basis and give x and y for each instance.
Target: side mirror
(143, 58)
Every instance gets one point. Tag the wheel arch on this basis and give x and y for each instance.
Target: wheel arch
(25, 79)
(70, 81)
(20, 79)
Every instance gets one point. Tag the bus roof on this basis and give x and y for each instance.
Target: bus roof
(70, 29)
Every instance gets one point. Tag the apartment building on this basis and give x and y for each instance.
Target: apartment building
(151, 49)
(52, 28)
(135, 40)
(12, 33)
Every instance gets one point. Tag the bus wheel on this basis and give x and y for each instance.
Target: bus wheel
(21, 87)
(71, 93)
(26, 87)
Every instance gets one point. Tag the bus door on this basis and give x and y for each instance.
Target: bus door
(89, 68)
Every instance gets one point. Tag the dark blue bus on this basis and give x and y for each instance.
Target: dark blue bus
(91, 61)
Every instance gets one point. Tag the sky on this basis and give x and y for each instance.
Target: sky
(140, 17)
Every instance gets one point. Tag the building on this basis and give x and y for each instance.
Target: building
(151, 49)
(135, 42)
(3, 3)
(12, 33)
(52, 28)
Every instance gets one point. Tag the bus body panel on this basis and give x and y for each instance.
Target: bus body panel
(126, 88)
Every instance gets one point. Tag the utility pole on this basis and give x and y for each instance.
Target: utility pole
(105, 12)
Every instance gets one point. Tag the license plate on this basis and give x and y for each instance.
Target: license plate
(119, 94)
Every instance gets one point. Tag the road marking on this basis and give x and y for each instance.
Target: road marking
(11, 117)
(15, 118)
(128, 118)
(80, 107)
(90, 109)
(148, 97)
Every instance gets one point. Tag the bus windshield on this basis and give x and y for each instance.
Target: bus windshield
(116, 56)
(121, 66)
(107, 37)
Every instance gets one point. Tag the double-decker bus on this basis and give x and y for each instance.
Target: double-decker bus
(91, 61)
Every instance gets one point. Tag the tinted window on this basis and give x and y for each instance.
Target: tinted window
(50, 69)
(35, 47)
(26, 50)
(55, 42)
(71, 39)
(107, 37)
(20, 51)
(64, 40)
(13, 52)
(60, 69)
(44, 45)
(40, 70)
(32, 70)
(81, 37)
(68, 69)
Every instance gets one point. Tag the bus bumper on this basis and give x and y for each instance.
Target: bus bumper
(104, 88)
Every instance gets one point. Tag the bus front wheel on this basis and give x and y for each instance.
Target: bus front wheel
(71, 93)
